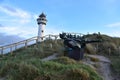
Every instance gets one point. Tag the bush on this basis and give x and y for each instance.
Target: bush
(90, 49)
(77, 74)
(22, 71)
(65, 60)
(94, 59)
(107, 48)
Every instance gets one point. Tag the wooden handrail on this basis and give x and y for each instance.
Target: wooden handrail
(18, 42)
(14, 45)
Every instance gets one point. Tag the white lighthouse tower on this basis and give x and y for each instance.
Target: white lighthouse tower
(41, 26)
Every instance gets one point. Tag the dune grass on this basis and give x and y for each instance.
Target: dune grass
(62, 68)
(26, 64)
(115, 60)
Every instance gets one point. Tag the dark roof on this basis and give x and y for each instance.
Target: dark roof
(42, 15)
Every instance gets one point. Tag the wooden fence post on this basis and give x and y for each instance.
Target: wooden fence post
(36, 42)
(2, 50)
(51, 46)
(15, 46)
(56, 39)
(119, 50)
(11, 51)
(109, 50)
(26, 44)
(49, 37)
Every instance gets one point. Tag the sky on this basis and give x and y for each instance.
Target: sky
(18, 17)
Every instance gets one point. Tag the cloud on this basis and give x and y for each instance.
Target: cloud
(20, 31)
(28, 32)
(1, 25)
(53, 29)
(23, 16)
(14, 11)
(117, 24)
(8, 39)
(15, 15)
(114, 33)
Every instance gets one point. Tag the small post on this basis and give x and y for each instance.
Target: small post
(119, 50)
(36, 42)
(96, 47)
(49, 37)
(51, 46)
(2, 50)
(109, 50)
(15, 46)
(95, 50)
(26, 44)
(11, 51)
(56, 39)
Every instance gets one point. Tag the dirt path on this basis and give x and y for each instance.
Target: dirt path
(54, 56)
(104, 67)
(2, 79)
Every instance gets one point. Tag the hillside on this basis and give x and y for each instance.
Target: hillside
(110, 48)
(26, 64)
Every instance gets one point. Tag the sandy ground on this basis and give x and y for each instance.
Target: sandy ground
(104, 67)
(54, 56)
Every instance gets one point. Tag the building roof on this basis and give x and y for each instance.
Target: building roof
(42, 15)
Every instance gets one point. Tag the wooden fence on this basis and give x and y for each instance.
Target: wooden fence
(25, 43)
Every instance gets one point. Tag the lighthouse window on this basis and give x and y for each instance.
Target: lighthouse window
(42, 31)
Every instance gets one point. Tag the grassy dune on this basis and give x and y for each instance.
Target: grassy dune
(62, 68)
(26, 64)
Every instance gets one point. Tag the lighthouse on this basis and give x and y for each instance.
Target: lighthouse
(41, 26)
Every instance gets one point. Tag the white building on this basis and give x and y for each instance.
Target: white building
(41, 26)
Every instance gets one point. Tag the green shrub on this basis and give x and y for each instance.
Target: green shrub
(94, 59)
(65, 60)
(107, 48)
(50, 65)
(77, 74)
(22, 71)
(90, 49)
(115, 63)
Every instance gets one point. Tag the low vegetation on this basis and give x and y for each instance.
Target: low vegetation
(26, 64)
(62, 68)
(115, 65)
(109, 47)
